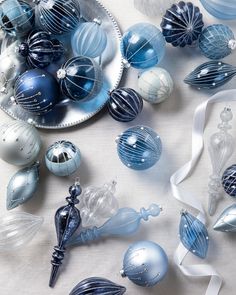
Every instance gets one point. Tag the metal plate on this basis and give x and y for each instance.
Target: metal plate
(69, 113)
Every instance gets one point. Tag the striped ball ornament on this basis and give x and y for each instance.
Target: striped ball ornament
(124, 104)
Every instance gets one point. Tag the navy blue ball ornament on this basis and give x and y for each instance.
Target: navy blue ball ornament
(36, 91)
(229, 181)
(124, 104)
(80, 78)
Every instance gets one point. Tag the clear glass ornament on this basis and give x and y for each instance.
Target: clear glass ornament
(221, 147)
(153, 7)
(222, 9)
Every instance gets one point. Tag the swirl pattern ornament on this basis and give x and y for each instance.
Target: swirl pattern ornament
(229, 181)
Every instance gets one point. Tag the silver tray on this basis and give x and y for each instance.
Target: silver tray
(69, 113)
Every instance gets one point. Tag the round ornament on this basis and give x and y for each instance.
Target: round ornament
(217, 41)
(155, 85)
(58, 16)
(229, 181)
(80, 78)
(63, 158)
(182, 24)
(89, 39)
(36, 91)
(124, 104)
(139, 148)
(20, 143)
(152, 7)
(142, 46)
(145, 263)
(220, 8)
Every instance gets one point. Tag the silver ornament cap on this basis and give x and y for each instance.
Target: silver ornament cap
(227, 220)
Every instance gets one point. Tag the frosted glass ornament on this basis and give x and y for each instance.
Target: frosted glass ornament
(89, 39)
(155, 85)
(226, 222)
(229, 181)
(152, 7)
(17, 229)
(222, 9)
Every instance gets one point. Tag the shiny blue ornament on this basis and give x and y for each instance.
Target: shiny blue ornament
(41, 50)
(16, 17)
(97, 286)
(217, 41)
(124, 104)
(90, 39)
(211, 75)
(80, 78)
(182, 24)
(139, 148)
(222, 9)
(229, 181)
(143, 46)
(57, 16)
(145, 264)
(36, 91)
(193, 235)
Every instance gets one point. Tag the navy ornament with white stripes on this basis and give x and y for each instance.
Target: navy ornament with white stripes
(229, 181)
(124, 104)
(36, 91)
(139, 147)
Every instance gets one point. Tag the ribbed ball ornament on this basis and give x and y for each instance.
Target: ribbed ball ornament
(20, 143)
(229, 181)
(139, 147)
(124, 104)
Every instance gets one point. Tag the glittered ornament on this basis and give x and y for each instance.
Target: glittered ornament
(139, 147)
(36, 91)
(57, 16)
(40, 49)
(226, 222)
(220, 8)
(155, 85)
(20, 143)
(145, 264)
(22, 186)
(16, 17)
(62, 158)
(80, 78)
(152, 7)
(217, 41)
(90, 39)
(182, 24)
(142, 46)
(229, 181)
(124, 104)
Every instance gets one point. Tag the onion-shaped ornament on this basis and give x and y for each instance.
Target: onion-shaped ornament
(57, 16)
(90, 39)
(20, 143)
(152, 7)
(80, 78)
(41, 50)
(124, 104)
(229, 181)
(17, 229)
(217, 41)
(142, 46)
(182, 24)
(220, 8)
(226, 222)
(36, 91)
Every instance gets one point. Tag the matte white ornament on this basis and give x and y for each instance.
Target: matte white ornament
(155, 85)
(153, 7)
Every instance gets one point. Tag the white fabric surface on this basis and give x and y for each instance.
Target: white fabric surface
(26, 271)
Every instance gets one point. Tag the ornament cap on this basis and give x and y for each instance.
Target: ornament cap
(61, 74)
(122, 273)
(126, 64)
(97, 21)
(232, 44)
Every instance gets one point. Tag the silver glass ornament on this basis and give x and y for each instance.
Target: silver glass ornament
(20, 143)
(227, 220)
(22, 186)
(63, 158)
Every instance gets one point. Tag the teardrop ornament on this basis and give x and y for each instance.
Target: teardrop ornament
(227, 220)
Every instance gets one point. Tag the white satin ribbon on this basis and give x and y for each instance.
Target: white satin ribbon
(179, 176)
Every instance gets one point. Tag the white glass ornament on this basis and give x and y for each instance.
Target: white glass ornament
(155, 85)
(153, 7)
(221, 147)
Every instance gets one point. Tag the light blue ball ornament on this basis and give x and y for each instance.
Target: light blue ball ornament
(142, 46)
(145, 264)
(222, 9)
(139, 147)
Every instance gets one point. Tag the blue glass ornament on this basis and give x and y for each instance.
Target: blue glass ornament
(145, 263)
(16, 17)
(143, 46)
(221, 9)
(139, 148)
(57, 16)
(229, 181)
(40, 50)
(67, 221)
(210, 75)
(124, 104)
(36, 91)
(90, 39)
(193, 235)
(182, 24)
(80, 78)
(97, 286)
(217, 41)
